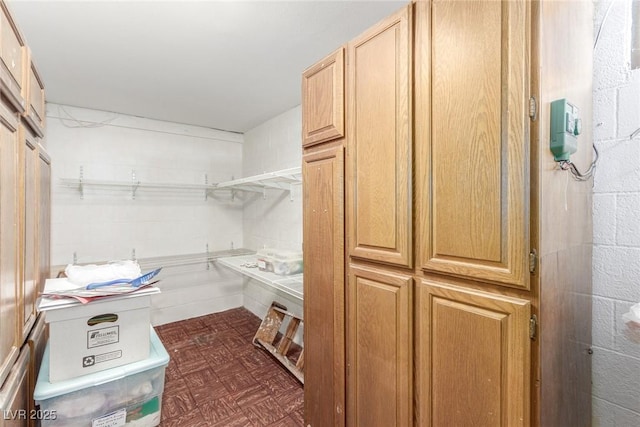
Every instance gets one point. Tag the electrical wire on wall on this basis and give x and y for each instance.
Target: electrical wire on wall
(606, 14)
(568, 165)
(72, 122)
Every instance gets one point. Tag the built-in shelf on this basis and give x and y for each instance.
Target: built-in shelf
(169, 261)
(133, 185)
(188, 259)
(247, 265)
(283, 180)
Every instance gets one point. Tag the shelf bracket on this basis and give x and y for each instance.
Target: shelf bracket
(206, 195)
(208, 259)
(80, 186)
(291, 192)
(134, 184)
(133, 254)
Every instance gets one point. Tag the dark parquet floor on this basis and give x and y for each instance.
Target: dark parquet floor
(217, 378)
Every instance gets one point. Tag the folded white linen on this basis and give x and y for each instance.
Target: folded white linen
(82, 275)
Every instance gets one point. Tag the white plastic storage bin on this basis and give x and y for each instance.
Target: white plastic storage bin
(99, 335)
(280, 261)
(129, 395)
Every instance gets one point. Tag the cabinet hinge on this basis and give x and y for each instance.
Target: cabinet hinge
(533, 261)
(533, 327)
(533, 108)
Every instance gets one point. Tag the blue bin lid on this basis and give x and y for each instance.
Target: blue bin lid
(44, 390)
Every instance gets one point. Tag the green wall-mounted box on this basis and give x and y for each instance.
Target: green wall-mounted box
(565, 126)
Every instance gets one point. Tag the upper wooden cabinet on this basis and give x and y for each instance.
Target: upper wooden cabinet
(12, 61)
(35, 112)
(472, 139)
(324, 310)
(379, 193)
(323, 100)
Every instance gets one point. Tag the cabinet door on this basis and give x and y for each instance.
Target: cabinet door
(324, 328)
(379, 134)
(323, 100)
(14, 394)
(36, 343)
(472, 355)
(9, 261)
(35, 113)
(379, 343)
(12, 61)
(44, 219)
(28, 216)
(472, 139)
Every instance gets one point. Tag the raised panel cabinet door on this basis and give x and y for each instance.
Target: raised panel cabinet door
(15, 395)
(44, 219)
(9, 261)
(36, 342)
(472, 139)
(29, 217)
(323, 100)
(12, 60)
(379, 348)
(35, 113)
(324, 309)
(379, 141)
(473, 357)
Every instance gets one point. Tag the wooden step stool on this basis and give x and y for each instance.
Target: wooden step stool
(278, 344)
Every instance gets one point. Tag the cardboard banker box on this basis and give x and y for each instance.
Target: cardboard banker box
(99, 335)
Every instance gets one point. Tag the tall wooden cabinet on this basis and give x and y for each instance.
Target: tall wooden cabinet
(9, 261)
(472, 168)
(323, 171)
(24, 221)
(379, 223)
(467, 281)
(323, 177)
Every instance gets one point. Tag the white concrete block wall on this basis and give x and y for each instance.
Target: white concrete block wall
(274, 145)
(275, 221)
(107, 224)
(616, 224)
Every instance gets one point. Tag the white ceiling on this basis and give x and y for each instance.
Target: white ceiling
(227, 65)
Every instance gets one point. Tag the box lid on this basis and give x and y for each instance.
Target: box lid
(44, 390)
(48, 304)
(279, 254)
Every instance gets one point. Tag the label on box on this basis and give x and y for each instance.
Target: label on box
(114, 419)
(103, 336)
(99, 358)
